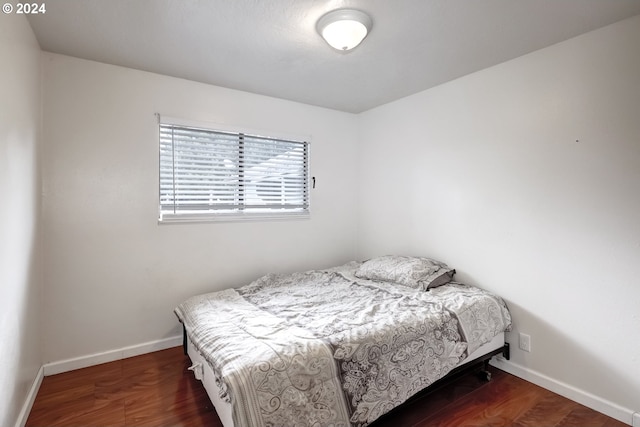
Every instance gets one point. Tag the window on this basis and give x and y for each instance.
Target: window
(208, 174)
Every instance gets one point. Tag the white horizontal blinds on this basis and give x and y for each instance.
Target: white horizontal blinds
(198, 169)
(204, 170)
(274, 172)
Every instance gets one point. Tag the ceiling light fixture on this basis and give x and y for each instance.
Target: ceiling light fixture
(344, 29)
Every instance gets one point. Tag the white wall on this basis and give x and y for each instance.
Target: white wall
(113, 275)
(526, 178)
(20, 271)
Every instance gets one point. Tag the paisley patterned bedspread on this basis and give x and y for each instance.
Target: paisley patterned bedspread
(325, 348)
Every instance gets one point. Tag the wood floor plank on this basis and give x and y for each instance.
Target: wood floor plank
(549, 411)
(78, 412)
(416, 409)
(498, 402)
(152, 389)
(156, 389)
(582, 416)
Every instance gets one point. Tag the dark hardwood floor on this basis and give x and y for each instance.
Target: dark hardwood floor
(157, 390)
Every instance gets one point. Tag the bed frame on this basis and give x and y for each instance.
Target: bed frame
(479, 358)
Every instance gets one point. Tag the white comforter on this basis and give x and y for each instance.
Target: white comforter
(325, 348)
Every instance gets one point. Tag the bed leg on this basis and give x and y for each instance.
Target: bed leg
(184, 340)
(506, 352)
(485, 374)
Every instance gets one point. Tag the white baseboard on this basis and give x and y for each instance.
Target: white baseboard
(31, 397)
(109, 356)
(587, 399)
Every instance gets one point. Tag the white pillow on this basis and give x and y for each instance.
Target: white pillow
(414, 272)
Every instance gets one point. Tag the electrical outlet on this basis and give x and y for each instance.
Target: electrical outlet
(525, 342)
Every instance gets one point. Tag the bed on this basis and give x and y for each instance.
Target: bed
(340, 346)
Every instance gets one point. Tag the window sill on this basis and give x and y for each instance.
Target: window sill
(231, 217)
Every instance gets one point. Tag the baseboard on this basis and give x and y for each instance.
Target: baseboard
(109, 356)
(31, 397)
(587, 399)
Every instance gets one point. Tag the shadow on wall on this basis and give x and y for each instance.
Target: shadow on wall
(21, 335)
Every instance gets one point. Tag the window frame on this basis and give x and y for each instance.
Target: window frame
(246, 214)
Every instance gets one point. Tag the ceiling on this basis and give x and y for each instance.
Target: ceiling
(271, 47)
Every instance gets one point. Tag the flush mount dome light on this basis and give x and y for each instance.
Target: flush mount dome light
(344, 29)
